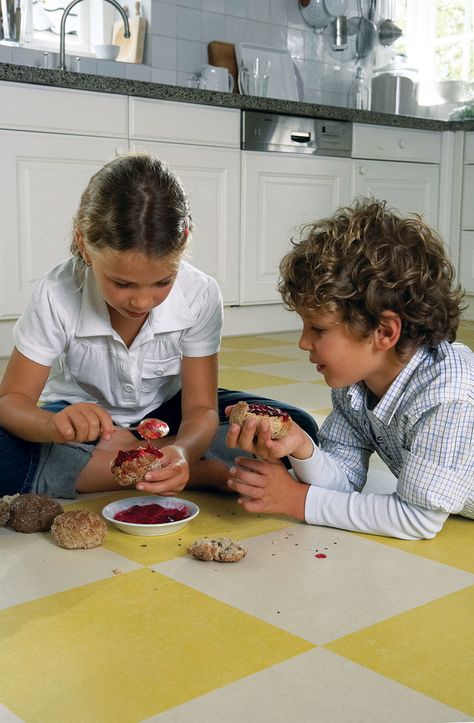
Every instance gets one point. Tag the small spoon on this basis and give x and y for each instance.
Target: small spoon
(150, 428)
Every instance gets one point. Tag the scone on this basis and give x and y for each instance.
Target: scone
(33, 513)
(280, 422)
(222, 549)
(78, 529)
(130, 467)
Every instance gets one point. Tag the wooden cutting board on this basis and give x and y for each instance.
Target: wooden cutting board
(131, 49)
(223, 55)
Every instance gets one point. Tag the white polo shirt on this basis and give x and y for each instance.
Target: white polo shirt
(66, 326)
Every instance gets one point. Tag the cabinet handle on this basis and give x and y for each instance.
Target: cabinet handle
(402, 143)
(362, 170)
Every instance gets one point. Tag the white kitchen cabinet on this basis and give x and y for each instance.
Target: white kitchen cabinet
(202, 144)
(43, 176)
(51, 142)
(279, 193)
(400, 166)
(211, 178)
(466, 254)
(407, 187)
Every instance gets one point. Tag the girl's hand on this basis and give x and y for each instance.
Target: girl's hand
(81, 422)
(262, 445)
(172, 476)
(267, 487)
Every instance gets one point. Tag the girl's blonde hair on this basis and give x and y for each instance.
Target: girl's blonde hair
(365, 260)
(134, 203)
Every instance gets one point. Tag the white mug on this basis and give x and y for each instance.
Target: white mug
(214, 77)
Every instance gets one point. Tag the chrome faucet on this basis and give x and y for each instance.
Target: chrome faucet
(62, 30)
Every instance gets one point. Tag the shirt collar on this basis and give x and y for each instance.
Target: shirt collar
(172, 315)
(394, 395)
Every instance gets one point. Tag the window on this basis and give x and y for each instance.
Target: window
(438, 40)
(86, 25)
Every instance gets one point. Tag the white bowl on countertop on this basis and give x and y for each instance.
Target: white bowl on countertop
(107, 51)
(146, 529)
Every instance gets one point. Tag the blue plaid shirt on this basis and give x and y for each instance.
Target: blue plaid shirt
(422, 428)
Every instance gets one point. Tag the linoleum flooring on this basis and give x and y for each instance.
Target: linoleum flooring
(314, 624)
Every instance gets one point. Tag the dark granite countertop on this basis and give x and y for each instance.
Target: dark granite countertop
(142, 89)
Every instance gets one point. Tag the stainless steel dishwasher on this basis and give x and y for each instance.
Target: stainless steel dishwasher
(295, 134)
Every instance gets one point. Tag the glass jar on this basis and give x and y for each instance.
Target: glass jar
(395, 88)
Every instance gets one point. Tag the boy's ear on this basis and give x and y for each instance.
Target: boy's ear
(388, 331)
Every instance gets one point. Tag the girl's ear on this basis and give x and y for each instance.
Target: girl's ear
(81, 246)
(388, 331)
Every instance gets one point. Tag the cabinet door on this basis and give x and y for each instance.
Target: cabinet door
(407, 187)
(466, 265)
(43, 176)
(279, 193)
(467, 213)
(211, 177)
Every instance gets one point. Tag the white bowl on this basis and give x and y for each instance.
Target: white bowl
(147, 530)
(107, 51)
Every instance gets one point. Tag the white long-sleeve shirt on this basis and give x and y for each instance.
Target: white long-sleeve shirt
(422, 428)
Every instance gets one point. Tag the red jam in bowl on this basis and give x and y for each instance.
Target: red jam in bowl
(152, 514)
(255, 408)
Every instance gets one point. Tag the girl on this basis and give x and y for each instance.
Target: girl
(123, 330)
(111, 336)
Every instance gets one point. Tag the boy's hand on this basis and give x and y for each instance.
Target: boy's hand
(267, 487)
(172, 476)
(81, 422)
(262, 445)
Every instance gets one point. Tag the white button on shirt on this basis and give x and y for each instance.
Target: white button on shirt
(66, 326)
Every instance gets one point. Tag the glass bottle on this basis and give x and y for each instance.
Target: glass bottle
(358, 93)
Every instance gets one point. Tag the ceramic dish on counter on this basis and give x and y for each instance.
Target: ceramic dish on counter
(154, 507)
(282, 80)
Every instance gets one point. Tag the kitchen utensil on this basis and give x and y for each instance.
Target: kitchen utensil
(339, 30)
(388, 32)
(216, 78)
(223, 55)
(131, 49)
(253, 77)
(320, 13)
(150, 428)
(366, 33)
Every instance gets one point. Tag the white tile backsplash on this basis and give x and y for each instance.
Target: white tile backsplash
(180, 30)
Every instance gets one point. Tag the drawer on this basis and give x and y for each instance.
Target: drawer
(60, 110)
(469, 147)
(396, 144)
(160, 120)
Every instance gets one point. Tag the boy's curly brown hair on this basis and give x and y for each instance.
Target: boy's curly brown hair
(365, 260)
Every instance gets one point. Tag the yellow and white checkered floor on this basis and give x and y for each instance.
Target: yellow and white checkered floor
(378, 631)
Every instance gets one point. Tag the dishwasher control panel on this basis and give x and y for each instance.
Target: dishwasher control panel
(295, 134)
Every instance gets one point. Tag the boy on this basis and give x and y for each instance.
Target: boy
(380, 316)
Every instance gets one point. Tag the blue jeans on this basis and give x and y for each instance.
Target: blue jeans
(21, 459)
(53, 468)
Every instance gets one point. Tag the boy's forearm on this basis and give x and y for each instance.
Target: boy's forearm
(371, 513)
